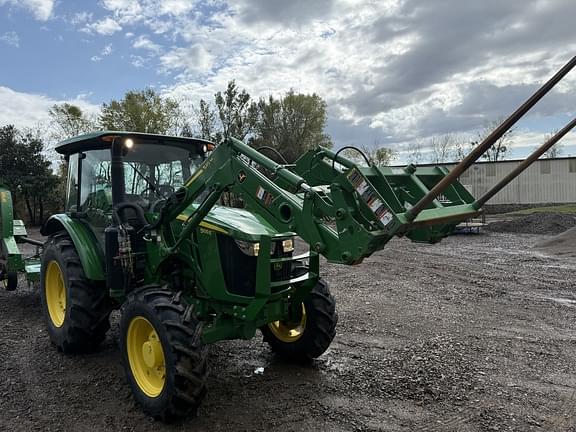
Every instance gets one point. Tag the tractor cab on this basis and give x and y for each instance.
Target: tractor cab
(153, 167)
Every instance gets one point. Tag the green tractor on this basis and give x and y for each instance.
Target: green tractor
(144, 232)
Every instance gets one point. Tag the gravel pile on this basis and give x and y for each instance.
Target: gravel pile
(537, 223)
(563, 244)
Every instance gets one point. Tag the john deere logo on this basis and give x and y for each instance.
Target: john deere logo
(241, 176)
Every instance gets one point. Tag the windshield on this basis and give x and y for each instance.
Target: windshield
(151, 172)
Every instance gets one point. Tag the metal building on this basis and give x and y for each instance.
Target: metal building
(547, 181)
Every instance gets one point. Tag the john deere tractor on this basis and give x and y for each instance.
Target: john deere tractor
(144, 231)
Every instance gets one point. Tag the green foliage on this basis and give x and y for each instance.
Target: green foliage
(292, 124)
(377, 155)
(27, 173)
(68, 121)
(207, 121)
(237, 115)
(382, 156)
(141, 111)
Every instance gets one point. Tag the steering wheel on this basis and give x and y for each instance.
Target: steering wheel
(165, 190)
(146, 193)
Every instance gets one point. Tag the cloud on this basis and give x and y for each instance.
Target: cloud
(123, 7)
(397, 70)
(138, 61)
(28, 110)
(142, 42)
(176, 7)
(106, 26)
(106, 51)
(148, 11)
(41, 9)
(80, 18)
(293, 12)
(10, 38)
(194, 59)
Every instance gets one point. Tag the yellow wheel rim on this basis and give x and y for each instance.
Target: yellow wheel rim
(146, 356)
(288, 332)
(55, 291)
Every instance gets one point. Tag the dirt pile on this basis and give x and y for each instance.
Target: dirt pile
(563, 244)
(537, 223)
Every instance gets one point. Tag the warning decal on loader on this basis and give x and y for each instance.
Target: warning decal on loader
(264, 196)
(369, 196)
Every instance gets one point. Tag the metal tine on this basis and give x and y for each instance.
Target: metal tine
(488, 142)
(525, 164)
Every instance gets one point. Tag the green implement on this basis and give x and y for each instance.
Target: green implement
(13, 232)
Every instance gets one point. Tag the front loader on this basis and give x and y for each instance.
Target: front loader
(143, 231)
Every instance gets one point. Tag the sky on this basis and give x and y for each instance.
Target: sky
(393, 72)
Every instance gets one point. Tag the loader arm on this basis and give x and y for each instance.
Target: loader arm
(351, 213)
(342, 210)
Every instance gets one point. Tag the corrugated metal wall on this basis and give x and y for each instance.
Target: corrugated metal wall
(545, 181)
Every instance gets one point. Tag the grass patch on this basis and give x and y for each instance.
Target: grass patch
(564, 209)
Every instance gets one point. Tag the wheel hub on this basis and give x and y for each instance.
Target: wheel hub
(152, 352)
(146, 356)
(55, 290)
(289, 331)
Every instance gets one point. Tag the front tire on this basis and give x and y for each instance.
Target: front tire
(76, 309)
(163, 355)
(312, 335)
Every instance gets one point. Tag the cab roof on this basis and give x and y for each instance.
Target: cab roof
(101, 140)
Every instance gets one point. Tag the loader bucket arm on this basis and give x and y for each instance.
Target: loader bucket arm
(342, 210)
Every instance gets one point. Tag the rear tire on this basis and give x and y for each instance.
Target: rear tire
(76, 309)
(311, 337)
(163, 354)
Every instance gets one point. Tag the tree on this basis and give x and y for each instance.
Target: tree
(69, 120)
(414, 151)
(441, 147)
(141, 111)
(206, 116)
(554, 151)
(237, 115)
(459, 149)
(502, 147)
(26, 172)
(291, 124)
(447, 148)
(377, 154)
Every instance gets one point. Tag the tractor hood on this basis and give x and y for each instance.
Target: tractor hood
(238, 223)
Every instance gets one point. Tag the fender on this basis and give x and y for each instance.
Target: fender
(85, 242)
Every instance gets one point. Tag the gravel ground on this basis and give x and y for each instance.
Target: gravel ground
(537, 223)
(476, 333)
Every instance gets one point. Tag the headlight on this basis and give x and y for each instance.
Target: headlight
(253, 248)
(288, 245)
(249, 248)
